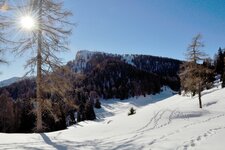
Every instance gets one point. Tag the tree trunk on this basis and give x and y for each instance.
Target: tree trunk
(39, 125)
(199, 96)
(38, 92)
(223, 81)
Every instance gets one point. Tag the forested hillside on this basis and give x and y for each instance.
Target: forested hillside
(94, 76)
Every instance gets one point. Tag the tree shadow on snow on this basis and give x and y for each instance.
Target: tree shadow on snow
(210, 91)
(149, 99)
(209, 104)
(190, 114)
(25, 146)
(49, 142)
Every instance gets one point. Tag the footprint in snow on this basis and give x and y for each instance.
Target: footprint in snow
(185, 147)
(193, 142)
(108, 122)
(199, 138)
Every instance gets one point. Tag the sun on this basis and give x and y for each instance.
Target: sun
(27, 22)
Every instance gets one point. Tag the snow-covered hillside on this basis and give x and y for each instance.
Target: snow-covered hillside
(86, 61)
(81, 59)
(83, 56)
(172, 123)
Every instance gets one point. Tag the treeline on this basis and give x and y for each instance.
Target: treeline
(18, 105)
(159, 65)
(165, 68)
(18, 114)
(116, 79)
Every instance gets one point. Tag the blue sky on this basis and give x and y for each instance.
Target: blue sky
(154, 27)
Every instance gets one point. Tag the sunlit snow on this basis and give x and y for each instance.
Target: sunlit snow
(159, 124)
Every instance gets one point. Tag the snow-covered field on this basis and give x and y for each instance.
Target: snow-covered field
(173, 123)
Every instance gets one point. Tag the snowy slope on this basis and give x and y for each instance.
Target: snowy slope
(81, 59)
(159, 124)
(83, 56)
(128, 59)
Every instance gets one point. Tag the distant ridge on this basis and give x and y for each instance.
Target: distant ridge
(154, 64)
(9, 81)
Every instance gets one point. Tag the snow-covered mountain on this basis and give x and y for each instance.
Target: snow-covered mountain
(123, 76)
(175, 122)
(81, 59)
(9, 81)
(154, 64)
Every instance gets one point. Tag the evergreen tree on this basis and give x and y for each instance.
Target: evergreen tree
(219, 62)
(223, 77)
(89, 111)
(97, 104)
(6, 112)
(132, 111)
(223, 81)
(210, 77)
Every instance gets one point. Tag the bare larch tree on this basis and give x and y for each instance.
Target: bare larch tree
(3, 25)
(193, 75)
(49, 36)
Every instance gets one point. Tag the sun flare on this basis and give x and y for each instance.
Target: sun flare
(27, 22)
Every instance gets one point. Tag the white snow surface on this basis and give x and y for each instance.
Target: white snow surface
(81, 59)
(162, 122)
(128, 59)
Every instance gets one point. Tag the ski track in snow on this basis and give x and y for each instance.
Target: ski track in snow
(155, 120)
(192, 142)
(158, 116)
(154, 123)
